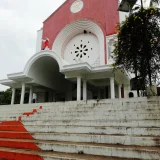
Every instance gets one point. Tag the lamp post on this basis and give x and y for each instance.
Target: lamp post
(127, 5)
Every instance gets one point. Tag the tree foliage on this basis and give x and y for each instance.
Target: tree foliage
(138, 44)
(5, 97)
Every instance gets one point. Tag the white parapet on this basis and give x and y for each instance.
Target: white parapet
(39, 40)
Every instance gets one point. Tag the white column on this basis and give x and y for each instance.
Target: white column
(119, 91)
(112, 88)
(13, 95)
(22, 93)
(84, 90)
(78, 88)
(30, 94)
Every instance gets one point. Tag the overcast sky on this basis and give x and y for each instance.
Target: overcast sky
(19, 22)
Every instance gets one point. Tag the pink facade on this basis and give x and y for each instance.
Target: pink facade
(102, 12)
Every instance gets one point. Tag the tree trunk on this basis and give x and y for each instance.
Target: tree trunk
(141, 3)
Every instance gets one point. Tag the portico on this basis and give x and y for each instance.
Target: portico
(67, 82)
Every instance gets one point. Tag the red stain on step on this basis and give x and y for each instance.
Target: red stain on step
(40, 107)
(18, 156)
(19, 118)
(30, 113)
(16, 130)
(18, 144)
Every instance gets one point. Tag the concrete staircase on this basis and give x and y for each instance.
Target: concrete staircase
(106, 130)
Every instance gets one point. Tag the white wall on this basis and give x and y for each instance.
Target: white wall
(39, 40)
(110, 40)
(86, 43)
(122, 16)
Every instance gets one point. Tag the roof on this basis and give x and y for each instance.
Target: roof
(55, 10)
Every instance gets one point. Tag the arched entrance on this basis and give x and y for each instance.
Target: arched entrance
(49, 84)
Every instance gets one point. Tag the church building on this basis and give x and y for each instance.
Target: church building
(73, 58)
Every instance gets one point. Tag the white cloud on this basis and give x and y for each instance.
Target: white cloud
(19, 22)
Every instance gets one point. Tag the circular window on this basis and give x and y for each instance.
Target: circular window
(84, 48)
(77, 6)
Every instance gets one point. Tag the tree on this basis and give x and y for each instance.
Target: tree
(138, 45)
(5, 97)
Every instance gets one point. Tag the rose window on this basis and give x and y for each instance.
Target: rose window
(81, 51)
(82, 48)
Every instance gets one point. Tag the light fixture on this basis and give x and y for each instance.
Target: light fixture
(126, 5)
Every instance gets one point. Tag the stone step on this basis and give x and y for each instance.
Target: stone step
(77, 110)
(112, 110)
(55, 155)
(112, 123)
(86, 129)
(118, 115)
(121, 151)
(90, 117)
(88, 108)
(72, 104)
(90, 138)
(14, 118)
(104, 106)
(108, 114)
(91, 111)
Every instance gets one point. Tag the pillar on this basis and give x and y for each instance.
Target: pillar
(30, 94)
(78, 88)
(22, 93)
(119, 91)
(84, 90)
(112, 88)
(13, 95)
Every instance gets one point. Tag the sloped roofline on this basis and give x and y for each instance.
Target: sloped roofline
(55, 10)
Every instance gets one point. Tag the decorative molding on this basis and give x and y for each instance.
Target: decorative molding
(75, 28)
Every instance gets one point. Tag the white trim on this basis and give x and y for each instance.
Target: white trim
(44, 53)
(108, 38)
(6, 81)
(75, 28)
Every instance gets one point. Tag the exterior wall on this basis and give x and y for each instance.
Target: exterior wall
(110, 40)
(82, 48)
(103, 12)
(39, 40)
(122, 16)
